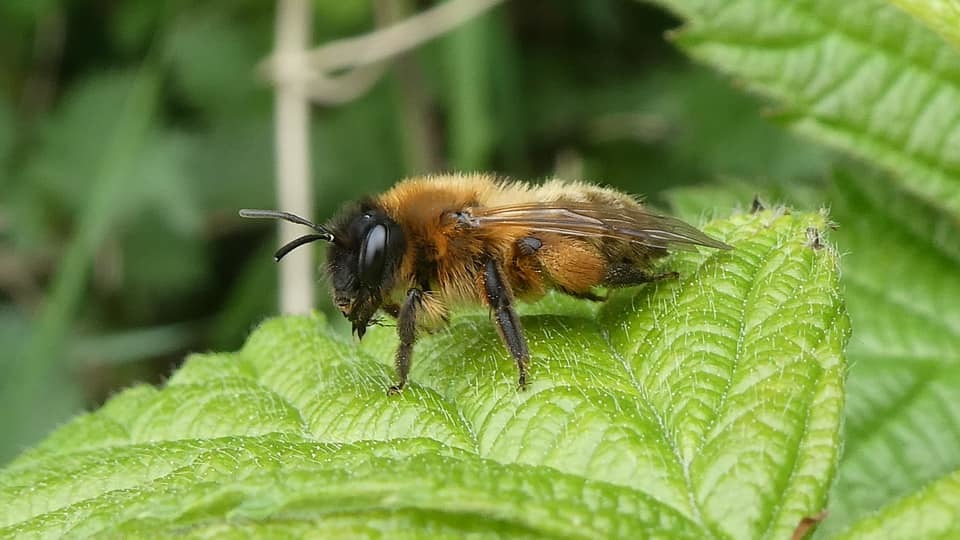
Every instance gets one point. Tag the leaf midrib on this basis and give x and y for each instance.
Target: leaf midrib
(696, 513)
(748, 299)
(775, 516)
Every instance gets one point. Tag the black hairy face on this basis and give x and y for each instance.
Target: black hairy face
(363, 262)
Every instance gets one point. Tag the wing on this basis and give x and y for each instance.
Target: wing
(595, 219)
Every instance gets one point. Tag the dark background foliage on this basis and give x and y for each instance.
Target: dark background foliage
(131, 132)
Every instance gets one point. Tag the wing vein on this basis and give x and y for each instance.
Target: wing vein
(584, 219)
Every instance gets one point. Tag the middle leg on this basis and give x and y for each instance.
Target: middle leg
(500, 299)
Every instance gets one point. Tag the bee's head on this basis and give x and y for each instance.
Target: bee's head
(364, 254)
(363, 262)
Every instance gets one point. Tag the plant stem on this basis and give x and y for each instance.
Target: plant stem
(292, 139)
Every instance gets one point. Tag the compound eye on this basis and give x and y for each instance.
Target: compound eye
(373, 256)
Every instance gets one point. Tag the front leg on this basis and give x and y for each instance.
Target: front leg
(407, 331)
(500, 299)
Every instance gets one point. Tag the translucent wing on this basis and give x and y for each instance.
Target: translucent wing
(595, 219)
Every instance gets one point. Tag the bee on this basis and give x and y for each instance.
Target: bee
(435, 242)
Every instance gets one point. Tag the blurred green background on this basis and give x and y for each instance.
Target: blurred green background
(131, 132)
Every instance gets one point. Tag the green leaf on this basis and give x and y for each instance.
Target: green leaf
(859, 75)
(930, 513)
(903, 412)
(707, 406)
(902, 419)
(943, 16)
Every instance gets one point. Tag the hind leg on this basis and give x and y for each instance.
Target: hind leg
(628, 275)
(589, 295)
(573, 267)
